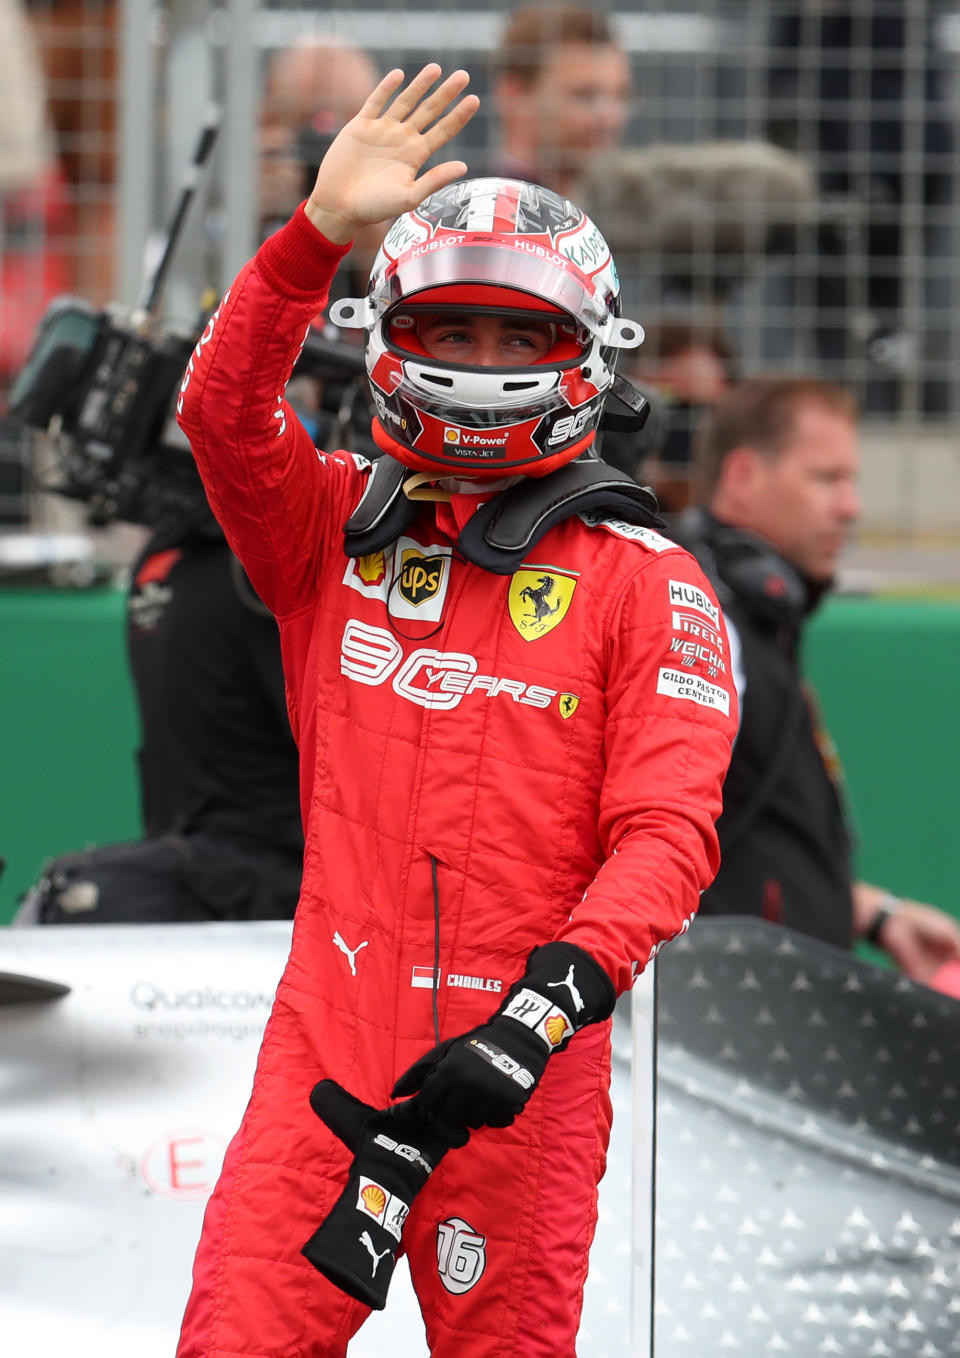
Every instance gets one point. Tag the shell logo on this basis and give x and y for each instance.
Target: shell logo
(451, 435)
(556, 1029)
(371, 568)
(374, 1199)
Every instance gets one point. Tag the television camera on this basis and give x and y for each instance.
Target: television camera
(102, 385)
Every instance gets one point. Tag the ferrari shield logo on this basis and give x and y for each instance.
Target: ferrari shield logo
(568, 704)
(538, 600)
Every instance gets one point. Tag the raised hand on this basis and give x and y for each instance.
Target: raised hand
(371, 172)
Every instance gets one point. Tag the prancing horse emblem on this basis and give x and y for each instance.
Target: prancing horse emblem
(538, 600)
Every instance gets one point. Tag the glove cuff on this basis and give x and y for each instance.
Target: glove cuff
(562, 990)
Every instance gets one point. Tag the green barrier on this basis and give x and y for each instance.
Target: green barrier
(70, 730)
(887, 673)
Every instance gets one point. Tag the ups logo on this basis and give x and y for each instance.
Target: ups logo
(420, 577)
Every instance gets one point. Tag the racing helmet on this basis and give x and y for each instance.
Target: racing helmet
(496, 247)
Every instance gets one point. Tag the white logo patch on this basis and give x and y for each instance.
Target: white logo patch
(385, 1208)
(542, 1017)
(683, 595)
(634, 532)
(422, 678)
(422, 978)
(676, 684)
(436, 679)
(682, 622)
(474, 982)
(380, 576)
(461, 1255)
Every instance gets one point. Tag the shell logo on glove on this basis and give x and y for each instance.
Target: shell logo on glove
(556, 1028)
(374, 1199)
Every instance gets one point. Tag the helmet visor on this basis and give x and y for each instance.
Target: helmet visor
(541, 273)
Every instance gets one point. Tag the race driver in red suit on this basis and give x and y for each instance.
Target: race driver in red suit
(509, 778)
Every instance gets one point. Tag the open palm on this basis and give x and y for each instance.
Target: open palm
(372, 170)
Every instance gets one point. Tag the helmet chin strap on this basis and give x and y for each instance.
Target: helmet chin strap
(423, 486)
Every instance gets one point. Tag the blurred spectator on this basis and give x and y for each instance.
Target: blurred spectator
(218, 763)
(684, 367)
(33, 203)
(78, 42)
(561, 91)
(310, 90)
(853, 86)
(776, 476)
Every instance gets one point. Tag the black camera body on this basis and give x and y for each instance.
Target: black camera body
(103, 385)
(106, 393)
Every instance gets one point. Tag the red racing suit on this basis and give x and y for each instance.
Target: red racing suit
(487, 763)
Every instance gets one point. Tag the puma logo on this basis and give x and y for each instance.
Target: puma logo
(367, 1243)
(349, 953)
(574, 992)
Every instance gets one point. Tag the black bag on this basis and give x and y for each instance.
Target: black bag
(174, 879)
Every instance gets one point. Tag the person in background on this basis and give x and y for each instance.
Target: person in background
(561, 90)
(34, 216)
(79, 46)
(777, 464)
(218, 759)
(310, 90)
(218, 763)
(685, 366)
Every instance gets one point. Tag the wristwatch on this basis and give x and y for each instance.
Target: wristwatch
(888, 906)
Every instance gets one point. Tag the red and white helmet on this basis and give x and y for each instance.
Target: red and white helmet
(505, 247)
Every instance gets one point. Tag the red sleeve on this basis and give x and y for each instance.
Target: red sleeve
(671, 722)
(280, 503)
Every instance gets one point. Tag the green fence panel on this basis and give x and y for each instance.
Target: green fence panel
(69, 730)
(887, 672)
(888, 675)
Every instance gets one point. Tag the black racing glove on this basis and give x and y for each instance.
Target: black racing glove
(395, 1152)
(484, 1077)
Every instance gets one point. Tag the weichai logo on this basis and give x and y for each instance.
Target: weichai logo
(420, 577)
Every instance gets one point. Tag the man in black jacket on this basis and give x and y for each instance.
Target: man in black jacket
(218, 762)
(776, 469)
